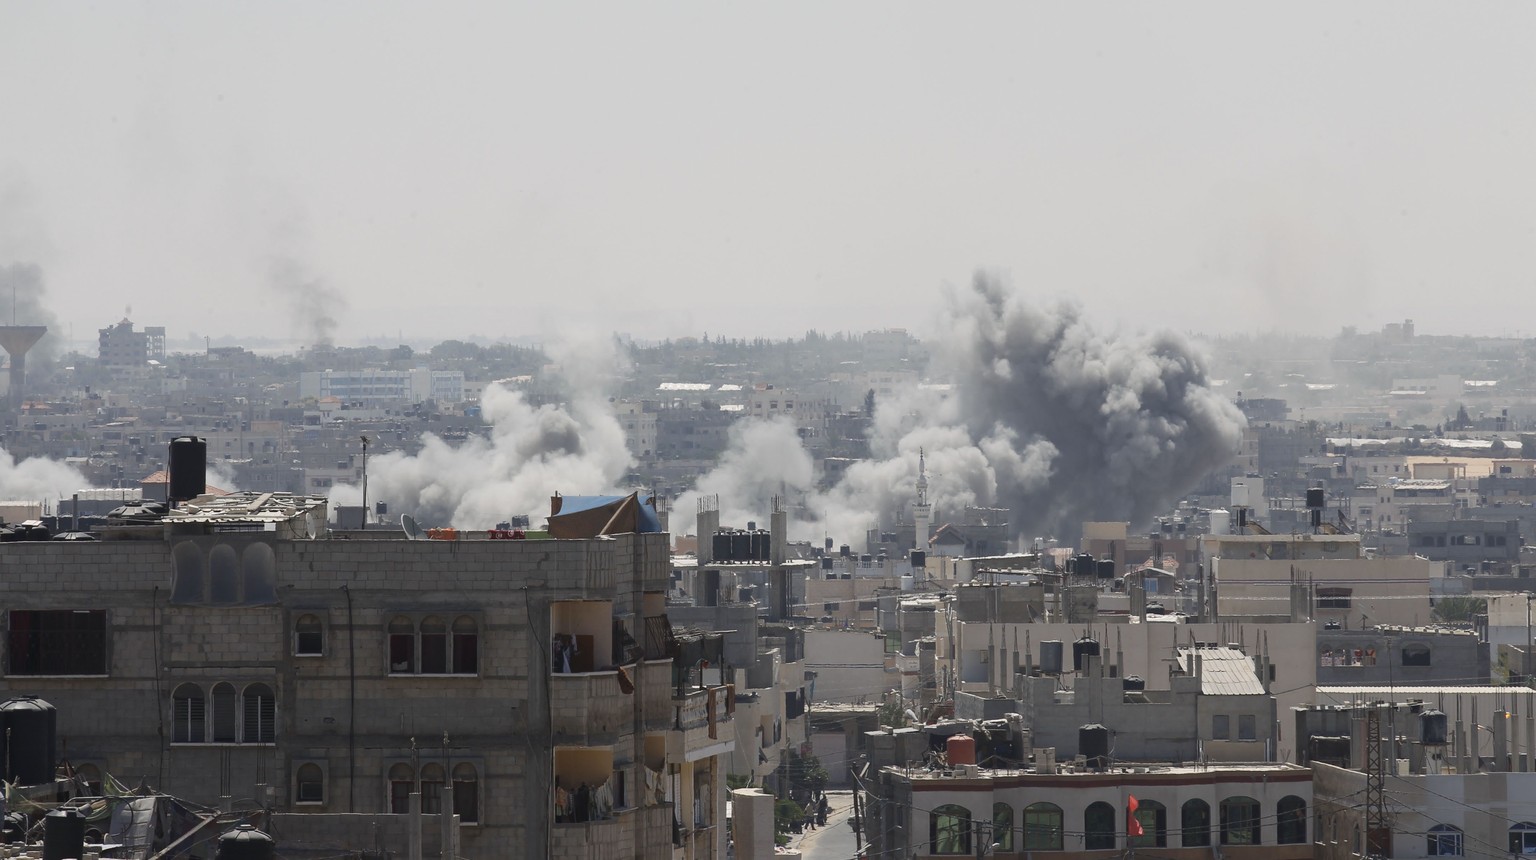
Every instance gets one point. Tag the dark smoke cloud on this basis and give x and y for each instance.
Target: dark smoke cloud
(1078, 424)
(1046, 417)
(24, 283)
(315, 306)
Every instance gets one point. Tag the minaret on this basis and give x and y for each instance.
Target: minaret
(921, 511)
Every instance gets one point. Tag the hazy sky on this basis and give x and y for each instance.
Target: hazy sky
(741, 169)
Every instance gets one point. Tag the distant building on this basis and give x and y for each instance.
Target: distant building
(120, 346)
(374, 387)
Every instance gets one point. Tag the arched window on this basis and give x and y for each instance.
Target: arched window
(434, 646)
(1099, 827)
(189, 715)
(402, 782)
(191, 573)
(223, 575)
(1522, 838)
(949, 830)
(309, 784)
(1002, 826)
(1416, 654)
(1444, 841)
(260, 715)
(308, 636)
(225, 721)
(1153, 818)
(402, 646)
(259, 569)
(1291, 820)
(1195, 821)
(466, 793)
(466, 646)
(431, 789)
(1240, 821)
(1042, 827)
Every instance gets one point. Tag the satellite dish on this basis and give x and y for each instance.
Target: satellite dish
(412, 530)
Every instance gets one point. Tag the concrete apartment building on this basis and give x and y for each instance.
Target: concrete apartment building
(241, 651)
(378, 387)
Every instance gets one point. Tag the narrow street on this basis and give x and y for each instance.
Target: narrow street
(836, 840)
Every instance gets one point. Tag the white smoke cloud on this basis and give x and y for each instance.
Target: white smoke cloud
(532, 452)
(37, 479)
(1047, 418)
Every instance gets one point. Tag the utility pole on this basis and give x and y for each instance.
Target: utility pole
(365, 481)
(1378, 839)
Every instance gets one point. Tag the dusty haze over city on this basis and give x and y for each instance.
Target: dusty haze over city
(369, 172)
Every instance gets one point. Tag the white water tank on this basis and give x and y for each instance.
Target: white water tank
(1221, 522)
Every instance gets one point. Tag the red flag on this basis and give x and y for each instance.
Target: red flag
(1132, 825)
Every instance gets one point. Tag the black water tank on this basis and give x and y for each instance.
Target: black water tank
(845, 551)
(1086, 566)
(1081, 650)
(826, 562)
(1432, 728)
(245, 843)
(919, 559)
(1106, 568)
(63, 835)
(189, 468)
(32, 724)
(829, 544)
(741, 546)
(1050, 657)
(1133, 682)
(1093, 744)
(720, 546)
(1315, 498)
(762, 545)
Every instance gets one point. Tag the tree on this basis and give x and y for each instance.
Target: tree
(869, 403)
(1459, 609)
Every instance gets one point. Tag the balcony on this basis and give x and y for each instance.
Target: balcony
(644, 832)
(702, 723)
(589, 708)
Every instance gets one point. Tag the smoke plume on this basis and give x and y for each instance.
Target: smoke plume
(531, 453)
(1047, 418)
(37, 479)
(22, 294)
(314, 305)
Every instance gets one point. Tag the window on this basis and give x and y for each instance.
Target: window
(260, 724)
(1195, 821)
(1240, 821)
(223, 575)
(189, 723)
(1416, 654)
(1153, 818)
(58, 642)
(402, 645)
(1335, 598)
(1042, 827)
(1247, 727)
(1291, 821)
(309, 784)
(949, 830)
(466, 646)
(1002, 826)
(308, 636)
(432, 647)
(1444, 841)
(466, 793)
(1522, 838)
(1099, 827)
(431, 789)
(224, 717)
(402, 782)
(1221, 727)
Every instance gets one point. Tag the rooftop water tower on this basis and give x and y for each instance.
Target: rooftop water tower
(16, 340)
